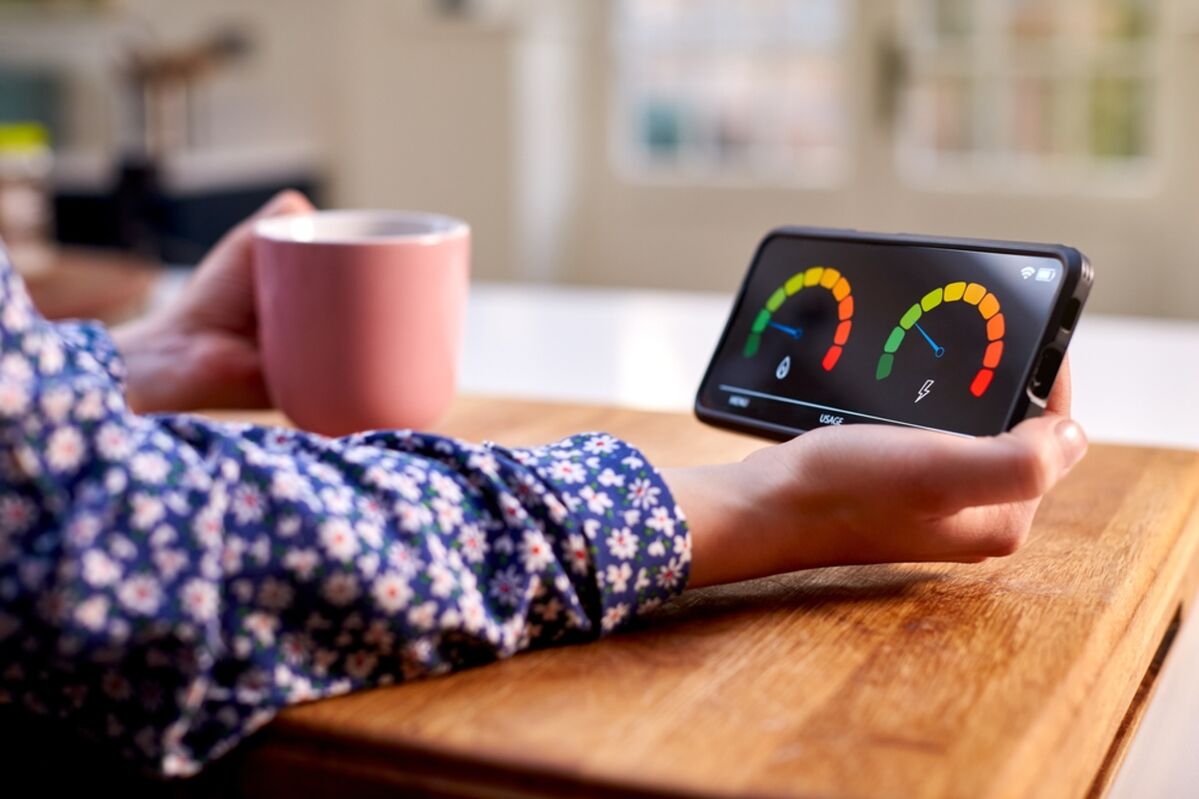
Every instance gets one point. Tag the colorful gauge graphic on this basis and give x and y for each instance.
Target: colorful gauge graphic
(823, 277)
(974, 294)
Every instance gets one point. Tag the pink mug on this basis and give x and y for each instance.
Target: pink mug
(360, 316)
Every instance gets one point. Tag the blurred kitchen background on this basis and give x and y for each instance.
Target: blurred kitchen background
(642, 143)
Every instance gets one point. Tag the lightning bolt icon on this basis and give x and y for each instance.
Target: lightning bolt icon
(923, 392)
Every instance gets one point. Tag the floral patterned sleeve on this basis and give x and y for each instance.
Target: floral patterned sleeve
(167, 583)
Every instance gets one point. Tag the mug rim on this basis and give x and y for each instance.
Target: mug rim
(440, 227)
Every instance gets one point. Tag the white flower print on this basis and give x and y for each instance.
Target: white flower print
(140, 594)
(507, 586)
(149, 467)
(338, 500)
(290, 485)
(361, 664)
(99, 570)
(610, 479)
(449, 514)
(302, 562)
(404, 560)
(662, 520)
(565, 471)
(602, 444)
(656, 548)
(591, 528)
(275, 595)
(682, 548)
(288, 526)
(112, 442)
(65, 449)
(442, 580)
(643, 494)
(51, 359)
(622, 543)
(147, 511)
(392, 593)
(483, 462)
(368, 565)
(514, 512)
(580, 558)
(16, 367)
(90, 407)
(413, 517)
(200, 599)
(614, 615)
(597, 501)
(473, 543)
(16, 514)
(92, 613)
(670, 574)
(262, 626)
(14, 398)
(423, 615)
(248, 505)
(340, 589)
(339, 539)
(208, 527)
(56, 404)
(642, 581)
(558, 511)
(535, 551)
(170, 562)
(617, 577)
(445, 486)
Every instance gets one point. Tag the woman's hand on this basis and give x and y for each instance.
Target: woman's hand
(875, 494)
(202, 350)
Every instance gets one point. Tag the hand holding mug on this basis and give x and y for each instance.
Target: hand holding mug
(201, 351)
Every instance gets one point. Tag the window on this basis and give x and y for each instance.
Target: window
(718, 89)
(1003, 91)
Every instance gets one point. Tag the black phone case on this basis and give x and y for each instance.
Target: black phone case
(1078, 277)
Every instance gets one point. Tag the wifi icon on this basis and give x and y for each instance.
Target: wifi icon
(1027, 272)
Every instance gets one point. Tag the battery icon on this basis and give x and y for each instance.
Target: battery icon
(1046, 273)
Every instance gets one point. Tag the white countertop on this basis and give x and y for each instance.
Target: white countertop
(1136, 380)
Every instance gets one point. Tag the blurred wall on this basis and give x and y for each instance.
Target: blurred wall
(504, 118)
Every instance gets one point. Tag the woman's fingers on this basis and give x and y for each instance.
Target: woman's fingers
(936, 475)
(1062, 391)
(1017, 466)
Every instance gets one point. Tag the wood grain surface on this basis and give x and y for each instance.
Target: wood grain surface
(1017, 677)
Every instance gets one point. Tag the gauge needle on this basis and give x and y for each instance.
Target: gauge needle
(937, 349)
(793, 332)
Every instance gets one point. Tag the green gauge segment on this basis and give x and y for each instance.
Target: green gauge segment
(973, 294)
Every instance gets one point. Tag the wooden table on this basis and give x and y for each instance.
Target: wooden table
(82, 283)
(1018, 677)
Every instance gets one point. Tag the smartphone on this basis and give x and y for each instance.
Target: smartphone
(834, 327)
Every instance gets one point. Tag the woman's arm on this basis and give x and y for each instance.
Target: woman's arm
(301, 609)
(169, 582)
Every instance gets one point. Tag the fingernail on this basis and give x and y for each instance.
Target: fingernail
(1072, 440)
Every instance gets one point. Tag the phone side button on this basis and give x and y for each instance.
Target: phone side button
(1045, 372)
(1070, 315)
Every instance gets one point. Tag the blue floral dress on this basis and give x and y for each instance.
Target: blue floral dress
(168, 583)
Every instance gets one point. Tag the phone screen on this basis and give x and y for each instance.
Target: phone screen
(841, 332)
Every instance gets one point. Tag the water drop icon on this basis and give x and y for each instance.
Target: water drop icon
(784, 368)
